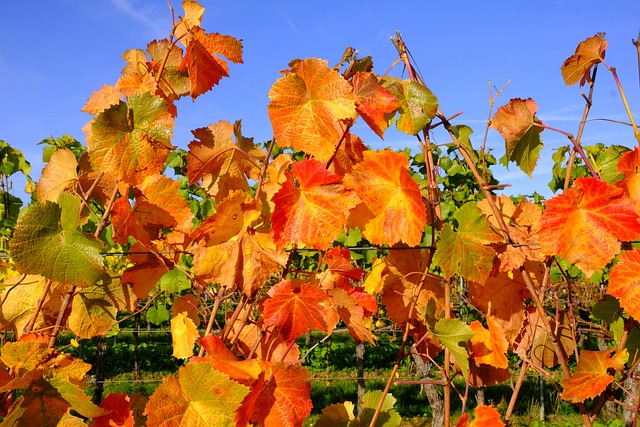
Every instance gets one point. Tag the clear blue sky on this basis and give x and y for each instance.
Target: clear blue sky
(57, 52)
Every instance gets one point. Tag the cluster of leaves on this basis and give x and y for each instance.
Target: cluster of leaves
(324, 188)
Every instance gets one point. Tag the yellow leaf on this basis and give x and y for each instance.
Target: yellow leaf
(184, 335)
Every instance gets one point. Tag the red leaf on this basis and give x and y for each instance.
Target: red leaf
(312, 206)
(295, 310)
(374, 103)
(120, 415)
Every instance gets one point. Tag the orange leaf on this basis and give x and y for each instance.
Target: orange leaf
(102, 99)
(339, 270)
(352, 314)
(307, 105)
(629, 165)
(146, 272)
(502, 297)
(376, 104)
(295, 310)
(131, 140)
(271, 346)
(203, 60)
(120, 416)
(586, 224)
(243, 371)
(312, 206)
(624, 282)
(280, 397)
(518, 125)
(590, 377)
(394, 210)
(577, 68)
(489, 346)
(219, 164)
(231, 252)
(485, 416)
(59, 175)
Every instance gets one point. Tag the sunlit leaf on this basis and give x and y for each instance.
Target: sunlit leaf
(485, 416)
(624, 282)
(466, 251)
(307, 105)
(46, 242)
(132, 140)
(374, 103)
(295, 310)
(393, 209)
(454, 333)
(417, 104)
(577, 68)
(312, 206)
(60, 174)
(519, 126)
(586, 223)
(120, 415)
(591, 377)
(198, 395)
(183, 336)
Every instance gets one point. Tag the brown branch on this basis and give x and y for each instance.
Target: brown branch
(212, 317)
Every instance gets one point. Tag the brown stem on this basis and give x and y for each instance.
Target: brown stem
(636, 132)
(447, 355)
(240, 326)
(516, 391)
(228, 325)
(263, 170)
(29, 327)
(335, 152)
(143, 308)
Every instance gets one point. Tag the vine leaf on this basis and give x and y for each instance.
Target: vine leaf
(577, 68)
(628, 165)
(131, 140)
(342, 414)
(230, 252)
(503, 297)
(120, 415)
(485, 416)
(353, 314)
(624, 283)
(417, 105)
(94, 309)
(393, 209)
(520, 127)
(523, 223)
(586, 223)
(243, 371)
(489, 346)
(148, 268)
(184, 334)
(307, 106)
(312, 206)
(591, 377)
(295, 309)
(454, 333)
(46, 242)
(203, 59)
(339, 272)
(157, 206)
(197, 395)
(465, 250)
(535, 343)
(376, 104)
(102, 99)
(280, 397)
(193, 13)
(217, 163)
(59, 175)
(16, 312)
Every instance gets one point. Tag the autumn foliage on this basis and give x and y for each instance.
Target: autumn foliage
(235, 216)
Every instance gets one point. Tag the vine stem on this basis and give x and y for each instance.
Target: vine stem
(516, 391)
(636, 132)
(212, 317)
(66, 301)
(576, 145)
(32, 321)
(335, 152)
(585, 114)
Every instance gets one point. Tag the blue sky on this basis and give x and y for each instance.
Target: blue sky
(57, 52)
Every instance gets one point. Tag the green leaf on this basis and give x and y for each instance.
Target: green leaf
(47, 242)
(158, 315)
(388, 416)
(608, 309)
(417, 104)
(465, 250)
(174, 282)
(454, 333)
(463, 135)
